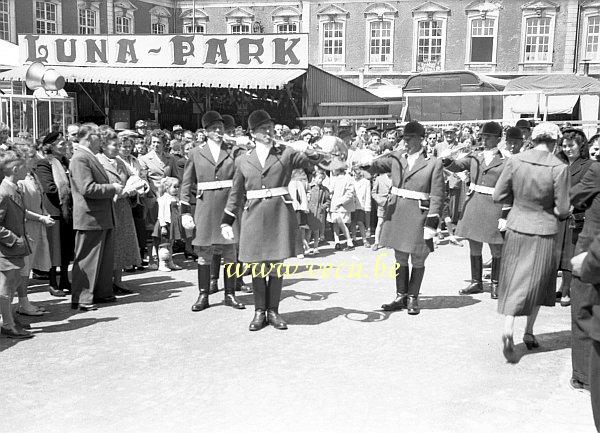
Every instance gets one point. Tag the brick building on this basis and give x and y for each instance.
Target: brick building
(367, 43)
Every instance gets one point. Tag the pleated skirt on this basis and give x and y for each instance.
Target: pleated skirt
(527, 273)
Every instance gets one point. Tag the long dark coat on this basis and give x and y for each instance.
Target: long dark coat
(201, 167)
(268, 227)
(404, 219)
(480, 216)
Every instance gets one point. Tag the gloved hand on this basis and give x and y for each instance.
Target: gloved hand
(227, 232)
(187, 221)
(502, 224)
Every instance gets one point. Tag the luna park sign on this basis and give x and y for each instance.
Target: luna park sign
(191, 51)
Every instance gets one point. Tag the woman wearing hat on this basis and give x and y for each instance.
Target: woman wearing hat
(479, 223)
(412, 213)
(536, 183)
(268, 224)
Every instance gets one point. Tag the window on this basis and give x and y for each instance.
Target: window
(159, 20)
(591, 40)
(123, 25)
(239, 29)
(483, 34)
(189, 28)
(380, 45)
(46, 17)
(87, 21)
(537, 39)
(333, 42)
(287, 28)
(4, 20)
(429, 46)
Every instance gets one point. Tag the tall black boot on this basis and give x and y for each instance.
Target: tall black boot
(260, 304)
(476, 285)
(230, 299)
(274, 288)
(401, 291)
(53, 289)
(215, 268)
(203, 284)
(414, 287)
(495, 275)
(65, 284)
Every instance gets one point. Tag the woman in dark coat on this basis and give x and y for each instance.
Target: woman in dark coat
(268, 223)
(536, 183)
(585, 196)
(52, 173)
(574, 152)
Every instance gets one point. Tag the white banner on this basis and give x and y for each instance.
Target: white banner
(288, 51)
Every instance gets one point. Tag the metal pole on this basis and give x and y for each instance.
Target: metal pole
(12, 125)
(546, 110)
(35, 120)
(194, 17)
(49, 116)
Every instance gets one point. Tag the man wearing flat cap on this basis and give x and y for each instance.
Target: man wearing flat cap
(208, 175)
(479, 223)
(260, 200)
(412, 213)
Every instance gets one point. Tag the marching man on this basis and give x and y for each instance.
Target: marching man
(481, 215)
(412, 214)
(210, 169)
(268, 223)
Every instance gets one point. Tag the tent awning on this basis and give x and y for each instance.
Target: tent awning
(532, 104)
(182, 77)
(557, 84)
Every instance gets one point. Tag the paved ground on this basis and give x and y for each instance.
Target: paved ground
(147, 363)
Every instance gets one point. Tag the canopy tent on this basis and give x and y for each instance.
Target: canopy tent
(553, 94)
(10, 55)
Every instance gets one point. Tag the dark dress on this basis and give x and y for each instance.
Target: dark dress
(536, 183)
(318, 204)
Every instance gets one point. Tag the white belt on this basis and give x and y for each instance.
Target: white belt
(481, 189)
(217, 184)
(407, 193)
(266, 192)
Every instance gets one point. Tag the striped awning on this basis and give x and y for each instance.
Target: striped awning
(178, 77)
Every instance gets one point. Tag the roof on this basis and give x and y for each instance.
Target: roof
(184, 77)
(10, 54)
(481, 79)
(564, 84)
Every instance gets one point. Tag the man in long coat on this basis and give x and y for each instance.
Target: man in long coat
(413, 208)
(479, 223)
(210, 169)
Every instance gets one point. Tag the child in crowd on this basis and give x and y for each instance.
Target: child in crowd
(297, 188)
(380, 193)
(168, 226)
(359, 217)
(14, 246)
(319, 200)
(342, 202)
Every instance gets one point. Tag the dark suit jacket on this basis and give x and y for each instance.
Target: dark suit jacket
(589, 315)
(585, 196)
(537, 184)
(92, 193)
(13, 243)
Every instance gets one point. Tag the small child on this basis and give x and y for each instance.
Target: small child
(342, 203)
(297, 189)
(319, 200)
(168, 226)
(14, 246)
(380, 192)
(361, 215)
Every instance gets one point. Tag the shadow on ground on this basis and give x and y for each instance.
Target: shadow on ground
(549, 342)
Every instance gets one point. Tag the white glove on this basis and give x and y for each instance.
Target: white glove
(502, 224)
(446, 153)
(227, 232)
(462, 176)
(187, 221)
(428, 233)
(577, 263)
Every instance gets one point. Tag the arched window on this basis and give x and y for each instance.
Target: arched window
(88, 14)
(332, 35)
(159, 20)
(429, 36)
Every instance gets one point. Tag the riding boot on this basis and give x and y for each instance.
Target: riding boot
(476, 285)
(401, 288)
(203, 284)
(260, 293)
(414, 287)
(230, 299)
(215, 267)
(495, 274)
(274, 288)
(64, 285)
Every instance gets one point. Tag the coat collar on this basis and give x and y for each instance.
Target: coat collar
(273, 157)
(496, 161)
(94, 160)
(420, 163)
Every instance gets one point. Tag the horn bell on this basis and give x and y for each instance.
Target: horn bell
(34, 75)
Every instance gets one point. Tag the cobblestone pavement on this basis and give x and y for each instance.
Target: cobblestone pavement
(148, 364)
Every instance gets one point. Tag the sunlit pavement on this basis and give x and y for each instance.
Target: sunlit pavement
(149, 364)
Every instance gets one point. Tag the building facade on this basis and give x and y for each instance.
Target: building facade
(368, 43)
